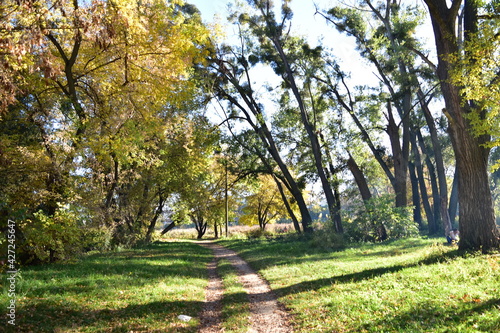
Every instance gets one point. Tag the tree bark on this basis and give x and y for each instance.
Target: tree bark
(434, 184)
(415, 194)
(266, 137)
(399, 159)
(359, 178)
(154, 220)
(431, 222)
(453, 207)
(312, 135)
(287, 204)
(477, 218)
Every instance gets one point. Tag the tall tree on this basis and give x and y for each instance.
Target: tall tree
(477, 217)
(277, 49)
(234, 85)
(99, 81)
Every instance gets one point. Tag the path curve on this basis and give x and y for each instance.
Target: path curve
(266, 314)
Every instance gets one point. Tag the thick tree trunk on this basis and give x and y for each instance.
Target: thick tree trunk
(477, 217)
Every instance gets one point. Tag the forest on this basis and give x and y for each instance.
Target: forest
(109, 139)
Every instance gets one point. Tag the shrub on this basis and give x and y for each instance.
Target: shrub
(51, 238)
(96, 238)
(258, 233)
(378, 220)
(325, 237)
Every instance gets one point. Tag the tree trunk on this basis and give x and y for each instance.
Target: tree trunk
(477, 217)
(400, 162)
(312, 135)
(359, 178)
(415, 194)
(152, 223)
(168, 228)
(453, 207)
(438, 157)
(287, 205)
(267, 140)
(431, 222)
(216, 230)
(434, 184)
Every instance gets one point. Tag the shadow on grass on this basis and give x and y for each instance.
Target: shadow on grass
(51, 317)
(364, 275)
(262, 254)
(471, 317)
(134, 268)
(75, 297)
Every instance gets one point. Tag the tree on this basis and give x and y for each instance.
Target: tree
(103, 87)
(277, 49)
(264, 204)
(234, 86)
(477, 218)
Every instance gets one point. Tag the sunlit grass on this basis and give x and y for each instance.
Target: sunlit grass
(411, 285)
(141, 290)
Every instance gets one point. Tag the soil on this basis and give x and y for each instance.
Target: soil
(266, 314)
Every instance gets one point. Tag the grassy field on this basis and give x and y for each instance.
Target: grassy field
(413, 285)
(141, 290)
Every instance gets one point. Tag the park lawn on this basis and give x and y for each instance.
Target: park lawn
(138, 290)
(412, 285)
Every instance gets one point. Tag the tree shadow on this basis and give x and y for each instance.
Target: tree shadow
(50, 317)
(113, 270)
(366, 274)
(429, 316)
(62, 297)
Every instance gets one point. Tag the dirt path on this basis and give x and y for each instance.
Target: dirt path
(266, 315)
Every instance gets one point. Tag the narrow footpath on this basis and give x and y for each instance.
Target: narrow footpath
(266, 315)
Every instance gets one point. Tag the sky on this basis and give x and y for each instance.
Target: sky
(304, 23)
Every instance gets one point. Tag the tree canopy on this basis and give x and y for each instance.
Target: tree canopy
(109, 131)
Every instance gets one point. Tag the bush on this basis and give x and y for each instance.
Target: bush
(378, 220)
(258, 233)
(50, 238)
(96, 239)
(325, 237)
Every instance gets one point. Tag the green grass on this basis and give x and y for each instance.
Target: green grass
(414, 285)
(140, 290)
(235, 307)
